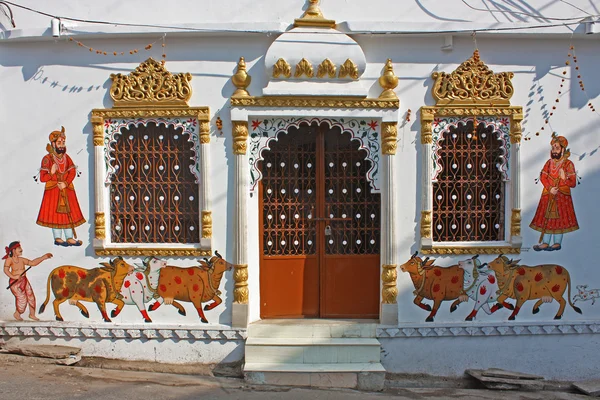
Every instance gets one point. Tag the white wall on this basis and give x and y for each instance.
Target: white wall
(51, 83)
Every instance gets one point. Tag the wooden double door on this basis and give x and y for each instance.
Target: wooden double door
(320, 227)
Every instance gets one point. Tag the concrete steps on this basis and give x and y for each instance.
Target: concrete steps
(318, 353)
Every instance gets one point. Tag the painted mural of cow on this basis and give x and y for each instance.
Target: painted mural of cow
(141, 286)
(583, 294)
(99, 285)
(522, 282)
(194, 284)
(481, 285)
(434, 283)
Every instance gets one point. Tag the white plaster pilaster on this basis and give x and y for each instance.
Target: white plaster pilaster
(426, 202)
(388, 314)
(100, 206)
(204, 187)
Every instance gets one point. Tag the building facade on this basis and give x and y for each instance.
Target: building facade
(426, 171)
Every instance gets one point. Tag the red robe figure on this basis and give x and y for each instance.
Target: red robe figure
(60, 208)
(555, 214)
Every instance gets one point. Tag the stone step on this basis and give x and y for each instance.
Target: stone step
(338, 367)
(364, 376)
(286, 329)
(312, 350)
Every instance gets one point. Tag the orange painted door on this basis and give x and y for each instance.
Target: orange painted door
(319, 226)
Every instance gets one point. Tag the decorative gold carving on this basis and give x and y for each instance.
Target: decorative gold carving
(326, 68)
(389, 137)
(515, 222)
(150, 84)
(516, 132)
(471, 250)
(240, 286)
(472, 83)
(304, 67)
(240, 137)
(426, 224)
(201, 113)
(282, 67)
(429, 113)
(206, 224)
(154, 252)
(314, 17)
(390, 289)
(315, 101)
(241, 79)
(348, 68)
(98, 129)
(100, 226)
(204, 132)
(388, 81)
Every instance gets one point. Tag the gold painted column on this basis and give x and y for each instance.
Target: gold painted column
(516, 134)
(240, 312)
(99, 217)
(388, 313)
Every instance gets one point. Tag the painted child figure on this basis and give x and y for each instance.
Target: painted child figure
(14, 268)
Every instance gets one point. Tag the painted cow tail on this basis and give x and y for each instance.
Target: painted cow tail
(577, 309)
(43, 306)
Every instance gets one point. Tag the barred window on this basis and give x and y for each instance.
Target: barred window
(469, 182)
(153, 191)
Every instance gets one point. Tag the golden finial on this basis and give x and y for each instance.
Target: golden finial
(314, 17)
(388, 81)
(241, 80)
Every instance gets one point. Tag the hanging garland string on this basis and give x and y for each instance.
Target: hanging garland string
(122, 53)
(570, 56)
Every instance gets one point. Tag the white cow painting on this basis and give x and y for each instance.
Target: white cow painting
(141, 286)
(481, 285)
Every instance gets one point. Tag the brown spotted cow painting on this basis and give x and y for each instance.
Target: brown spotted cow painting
(434, 283)
(98, 285)
(543, 283)
(192, 284)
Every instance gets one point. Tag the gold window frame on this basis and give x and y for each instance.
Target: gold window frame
(150, 92)
(472, 91)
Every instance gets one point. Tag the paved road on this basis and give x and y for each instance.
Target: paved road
(23, 380)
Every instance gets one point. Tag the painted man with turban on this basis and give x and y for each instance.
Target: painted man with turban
(14, 268)
(60, 208)
(555, 214)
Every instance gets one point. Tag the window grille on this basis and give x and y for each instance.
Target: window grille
(153, 194)
(469, 189)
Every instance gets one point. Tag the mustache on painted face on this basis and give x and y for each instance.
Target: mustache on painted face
(61, 150)
(555, 155)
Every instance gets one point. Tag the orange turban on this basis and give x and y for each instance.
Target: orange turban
(561, 140)
(56, 134)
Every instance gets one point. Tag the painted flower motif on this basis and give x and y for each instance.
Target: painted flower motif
(504, 121)
(192, 121)
(255, 124)
(437, 121)
(108, 123)
(373, 125)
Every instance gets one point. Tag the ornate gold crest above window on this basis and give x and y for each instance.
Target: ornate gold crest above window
(150, 84)
(151, 167)
(471, 140)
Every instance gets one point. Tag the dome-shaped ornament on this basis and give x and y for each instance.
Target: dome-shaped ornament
(388, 81)
(241, 80)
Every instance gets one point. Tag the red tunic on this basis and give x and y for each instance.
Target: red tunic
(555, 213)
(60, 208)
